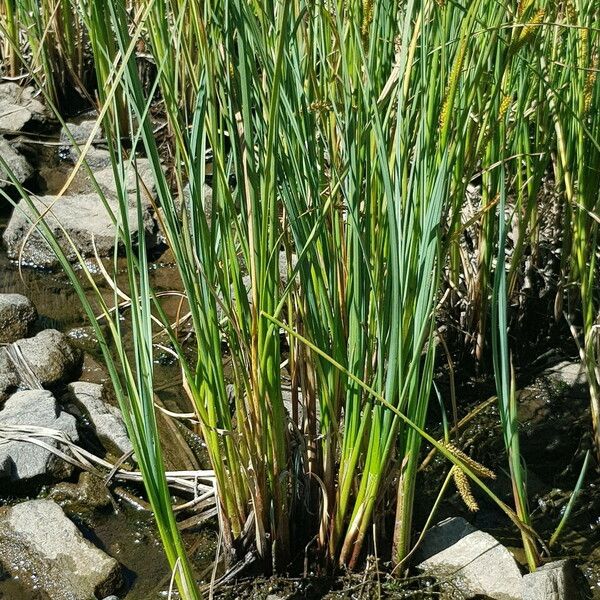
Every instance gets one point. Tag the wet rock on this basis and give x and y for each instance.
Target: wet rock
(88, 494)
(554, 415)
(206, 195)
(50, 357)
(80, 131)
(464, 558)
(9, 380)
(17, 164)
(84, 338)
(97, 159)
(139, 173)
(566, 375)
(19, 108)
(88, 400)
(93, 371)
(557, 580)
(17, 316)
(83, 218)
(24, 461)
(39, 541)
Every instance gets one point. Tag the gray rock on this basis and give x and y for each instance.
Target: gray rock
(97, 159)
(39, 542)
(138, 174)
(554, 581)
(462, 557)
(80, 131)
(83, 218)
(9, 380)
(17, 316)
(566, 373)
(89, 400)
(206, 194)
(50, 357)
(184, 200)
(17, 165)
(19, 108)
(23, 461)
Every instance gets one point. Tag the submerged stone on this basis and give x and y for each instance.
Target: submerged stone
(88, 494)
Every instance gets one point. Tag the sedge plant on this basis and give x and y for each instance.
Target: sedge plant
(343, 137)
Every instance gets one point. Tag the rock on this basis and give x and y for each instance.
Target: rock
(80, 131)
(553, 412)
(50, 357)
(557, 580)
(97, 159)
(206, 195)
(470, 560)
(84, 338)
(89, 493)
(140, 173)
(18, 165)
(24, 461)
(566, 374)
(85, 220)
(9, 380)
(19, 108)
(39, 541)
(17, 316)
(88, 400)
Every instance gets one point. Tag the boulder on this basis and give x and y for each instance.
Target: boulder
(9, 380)
(50, 357)
(88, 400)
(24, 461)
(19, 108)
(17, 164)
(81, 220)
(38, 541)
(559, 580)
(464, 558)
(17, 316)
